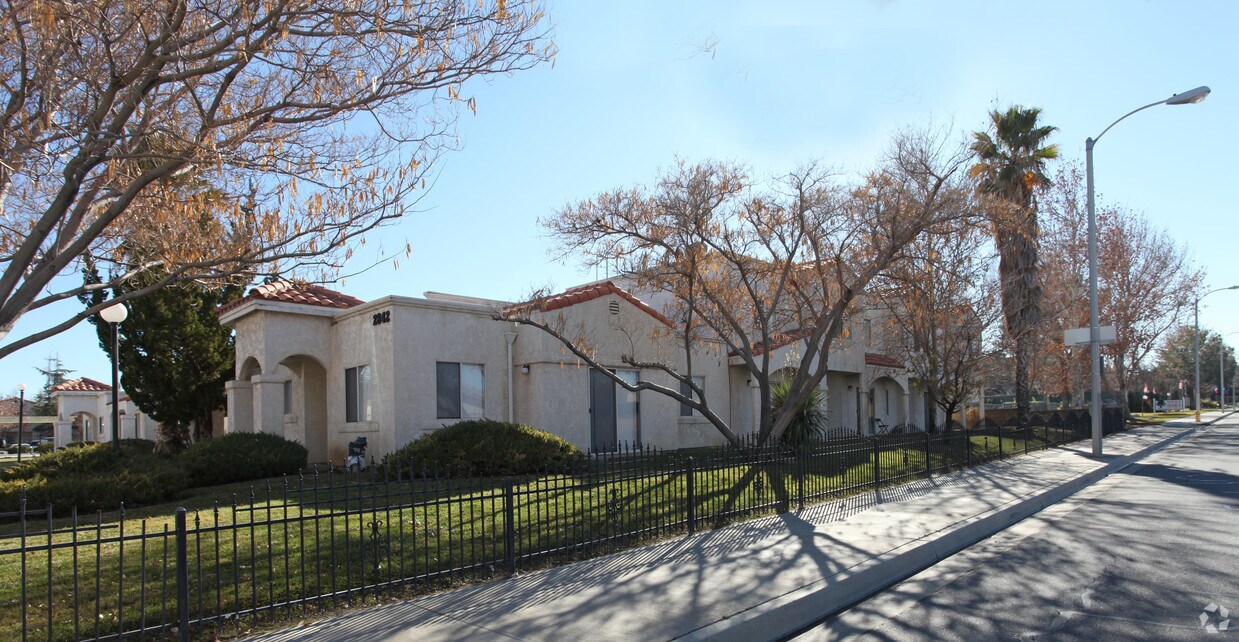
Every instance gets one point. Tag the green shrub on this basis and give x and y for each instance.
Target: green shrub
(89, 493)
(93, 477)
(482, 447)
(91, 459)
(242, 456)
(47, 447)
(810, 420)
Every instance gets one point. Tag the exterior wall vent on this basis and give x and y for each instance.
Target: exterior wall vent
(614, 307)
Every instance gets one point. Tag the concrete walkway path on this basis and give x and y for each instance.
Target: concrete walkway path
(759, 580)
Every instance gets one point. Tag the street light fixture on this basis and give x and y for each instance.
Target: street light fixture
(21, 418)
(1190, 97)
(1196, 340)
(114, 314)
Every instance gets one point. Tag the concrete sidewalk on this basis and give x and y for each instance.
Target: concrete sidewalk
(754, 581)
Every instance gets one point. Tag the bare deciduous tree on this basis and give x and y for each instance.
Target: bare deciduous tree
(1146, 282)
(755, 266)
(305, 123)
(942, 300)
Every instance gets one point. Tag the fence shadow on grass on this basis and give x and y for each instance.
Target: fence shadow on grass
(314, 543)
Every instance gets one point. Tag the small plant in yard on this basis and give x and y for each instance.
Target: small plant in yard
(810, 421)
(483, 447)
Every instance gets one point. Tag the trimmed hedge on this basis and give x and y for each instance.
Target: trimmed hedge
(94, 477)
(242, 456)
(87, 460)
(482, 447)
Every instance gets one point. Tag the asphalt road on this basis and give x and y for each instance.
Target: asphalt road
(1149, 553)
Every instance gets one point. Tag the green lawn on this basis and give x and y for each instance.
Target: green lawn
(1162, 417)
(288, 541)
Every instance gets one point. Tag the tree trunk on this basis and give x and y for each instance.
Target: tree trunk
(1120, 373)
(949, 409)
(204, 426)
(1022, 386)
(169, 439)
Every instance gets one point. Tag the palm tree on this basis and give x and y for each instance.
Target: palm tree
(1010, 168)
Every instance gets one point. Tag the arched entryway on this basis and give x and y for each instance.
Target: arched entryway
(887, 403)
(305, 404)
(249, 368)
(84, 427)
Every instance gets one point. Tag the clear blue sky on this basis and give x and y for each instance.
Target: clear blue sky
(637, 84)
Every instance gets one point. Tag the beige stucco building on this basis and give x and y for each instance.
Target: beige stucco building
(323, 368)
(84, 413)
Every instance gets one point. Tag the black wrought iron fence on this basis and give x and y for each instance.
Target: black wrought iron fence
(329, 539)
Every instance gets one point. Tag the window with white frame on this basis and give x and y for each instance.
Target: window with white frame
(685, 409)
(459, 390)
(357, 386)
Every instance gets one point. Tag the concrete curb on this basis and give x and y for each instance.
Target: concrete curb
(792, 612)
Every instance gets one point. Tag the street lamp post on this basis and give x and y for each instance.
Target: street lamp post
(1196, 340)
(1221, 376)
(114, 314)
(21, 418)
(1094, 329)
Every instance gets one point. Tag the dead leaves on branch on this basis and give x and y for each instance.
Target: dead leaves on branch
(308, 122)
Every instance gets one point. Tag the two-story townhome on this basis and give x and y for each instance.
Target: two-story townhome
(323, 368)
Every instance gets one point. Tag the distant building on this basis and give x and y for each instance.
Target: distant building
(84, 410)
(31, 427)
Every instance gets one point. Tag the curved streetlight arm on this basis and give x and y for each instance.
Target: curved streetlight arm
(1233, 287)
(1092, 141)
(1189, 97)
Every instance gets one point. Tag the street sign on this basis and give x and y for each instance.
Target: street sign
(1079, 336)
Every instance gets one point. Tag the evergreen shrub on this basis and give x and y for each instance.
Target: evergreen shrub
(93, 477)
(481, 447)
(242, 456)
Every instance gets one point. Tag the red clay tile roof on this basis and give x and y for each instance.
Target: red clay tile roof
(881, 360)
(581, 294)
(8, 407)
(779, 340)
(82, 384)
(289, 292)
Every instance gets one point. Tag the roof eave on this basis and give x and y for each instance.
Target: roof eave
(229, 317)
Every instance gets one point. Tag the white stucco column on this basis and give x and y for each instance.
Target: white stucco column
(269, 403)
(907, 409)
(510, 339)
(62, 434)
(240, 406)
(864, 424)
